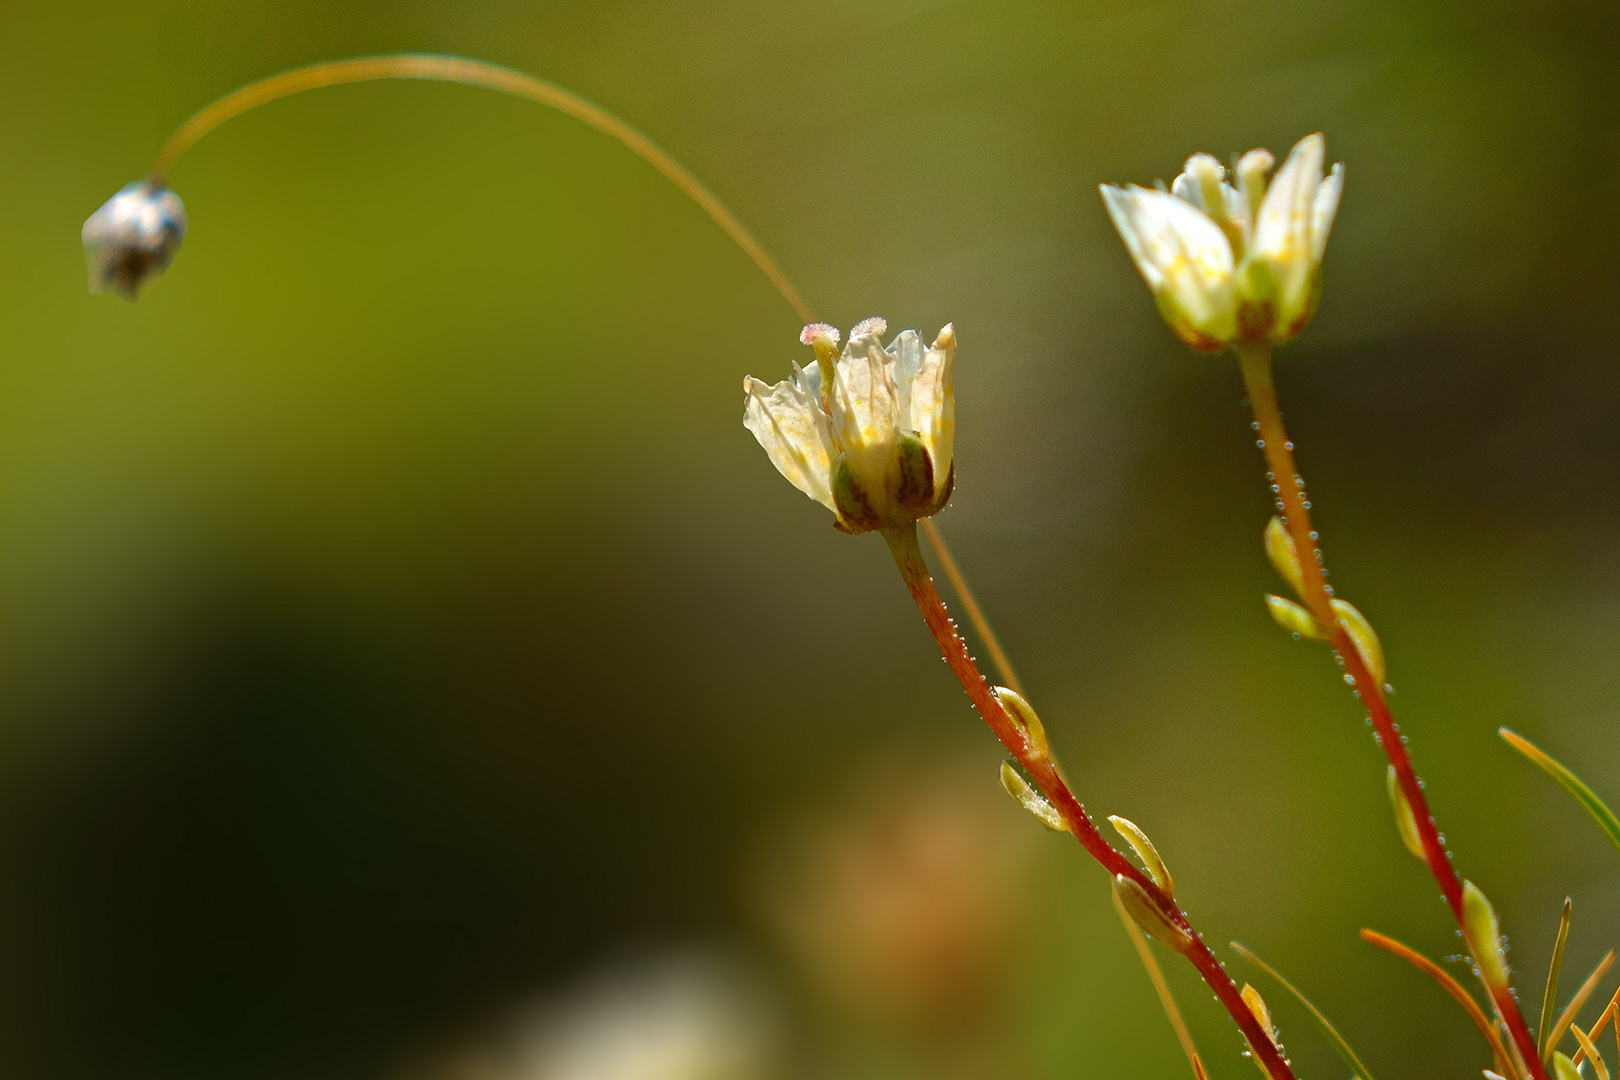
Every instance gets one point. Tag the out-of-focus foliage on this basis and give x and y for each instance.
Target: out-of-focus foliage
(396, 621)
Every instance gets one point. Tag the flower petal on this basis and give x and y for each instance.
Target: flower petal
(1323, 211)
(1282, 228)
(907, 350)
(863, 408)
(788, 422)
(933, 404)
(1178, 249)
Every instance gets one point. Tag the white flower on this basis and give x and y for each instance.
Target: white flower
(867, 432)
(132, 238)
(1233, 263)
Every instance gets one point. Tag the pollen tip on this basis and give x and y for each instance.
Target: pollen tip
(874, 325)
(819, 332)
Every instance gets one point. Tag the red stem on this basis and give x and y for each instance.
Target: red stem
(1292, 503)
(908, 556)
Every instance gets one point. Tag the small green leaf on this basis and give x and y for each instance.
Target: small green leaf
(1549, 998)
(1405, 820)
(1484, 934)
(1146, 914)
(1026, 796)
(1145, 851)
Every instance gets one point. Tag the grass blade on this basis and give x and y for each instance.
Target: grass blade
(1452, 987)
(1340, 1046)
(1569, 782)
(1573, 1009)
(1549, 997)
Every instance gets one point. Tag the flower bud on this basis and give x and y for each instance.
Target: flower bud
(1146, 852)
(1563, 1068)
(1026, 796)
(1405, 819)
(1146, 914)
(1484, 937)
(133, 238)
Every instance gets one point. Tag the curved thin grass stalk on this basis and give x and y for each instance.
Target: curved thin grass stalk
(1573, 1009)
(1452, 987)
(1160, 987)
(434, 67)
(1323, 1024)
(1549, 997)
(1568, 781)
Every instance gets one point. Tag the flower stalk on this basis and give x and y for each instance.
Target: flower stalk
(1030, 753)
(1294, 506)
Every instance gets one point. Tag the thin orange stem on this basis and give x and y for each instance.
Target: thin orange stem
(970, 606)
(1044, 771)
(1289, 488)
(1450, 986)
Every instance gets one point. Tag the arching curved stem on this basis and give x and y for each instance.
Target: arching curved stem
(458, 69)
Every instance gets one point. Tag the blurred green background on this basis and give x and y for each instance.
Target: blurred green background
(397, 623)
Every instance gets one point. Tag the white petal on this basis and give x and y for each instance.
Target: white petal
(1282, 228)
(1177, 248)
(907, 350)
(1322, 213)
(933, 405)
(1186, 187)
(863, 404)
(788, 422)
